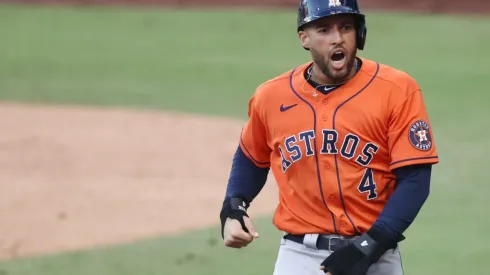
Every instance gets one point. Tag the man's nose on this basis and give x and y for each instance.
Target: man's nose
(336, 36)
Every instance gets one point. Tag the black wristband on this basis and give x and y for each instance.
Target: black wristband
(234, 208)
(366, 244)
(381, 238)
(374, 244)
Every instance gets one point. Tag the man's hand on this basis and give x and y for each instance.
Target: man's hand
(357, 257)
(346, 260)
(235, 236)
(237, 228)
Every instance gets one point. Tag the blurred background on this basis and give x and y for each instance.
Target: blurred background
(119, 120)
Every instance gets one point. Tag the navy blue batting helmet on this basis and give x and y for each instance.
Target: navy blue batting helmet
(312, 10)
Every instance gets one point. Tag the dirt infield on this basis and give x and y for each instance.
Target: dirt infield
(75, 178)
(434, 6)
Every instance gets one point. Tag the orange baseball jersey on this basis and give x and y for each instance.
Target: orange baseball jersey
(332, 155)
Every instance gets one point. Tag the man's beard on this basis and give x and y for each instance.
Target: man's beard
(334, 75)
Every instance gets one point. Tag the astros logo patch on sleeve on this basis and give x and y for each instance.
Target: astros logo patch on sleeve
(420, 136)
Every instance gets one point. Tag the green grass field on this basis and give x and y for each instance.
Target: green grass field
(160, 59)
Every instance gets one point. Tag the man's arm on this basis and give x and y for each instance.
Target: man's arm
(245, 183)
(246, 179)
(413, 187)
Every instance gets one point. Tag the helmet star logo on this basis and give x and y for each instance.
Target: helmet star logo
(334, 3)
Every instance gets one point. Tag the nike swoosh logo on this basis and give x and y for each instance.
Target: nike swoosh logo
(283, 109)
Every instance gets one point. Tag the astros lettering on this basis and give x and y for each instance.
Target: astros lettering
(330, 145)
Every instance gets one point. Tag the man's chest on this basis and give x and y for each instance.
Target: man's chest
(356, 130)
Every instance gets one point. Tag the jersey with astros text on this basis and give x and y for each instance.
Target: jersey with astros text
(332, 155)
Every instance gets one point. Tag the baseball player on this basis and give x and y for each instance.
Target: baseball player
(350, 145)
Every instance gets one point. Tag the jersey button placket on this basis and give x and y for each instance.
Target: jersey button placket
(324, 122)
(323, 107)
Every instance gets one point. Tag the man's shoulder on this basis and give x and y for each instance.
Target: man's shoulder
(395, 75)
(395, 78)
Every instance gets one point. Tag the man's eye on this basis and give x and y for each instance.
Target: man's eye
(348, 27)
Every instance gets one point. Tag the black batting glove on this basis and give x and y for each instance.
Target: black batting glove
(357, 257)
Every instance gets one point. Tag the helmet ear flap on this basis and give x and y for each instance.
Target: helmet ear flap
(361, 35)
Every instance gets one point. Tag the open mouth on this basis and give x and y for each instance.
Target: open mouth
(338, 58)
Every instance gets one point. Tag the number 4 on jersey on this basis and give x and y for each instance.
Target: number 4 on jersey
(368, 185)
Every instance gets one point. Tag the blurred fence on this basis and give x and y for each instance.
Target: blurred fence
(432, 6)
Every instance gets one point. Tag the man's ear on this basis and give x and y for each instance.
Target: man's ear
(305, 40)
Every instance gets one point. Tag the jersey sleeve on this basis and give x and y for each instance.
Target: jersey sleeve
(253, 138)
(410, 135)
